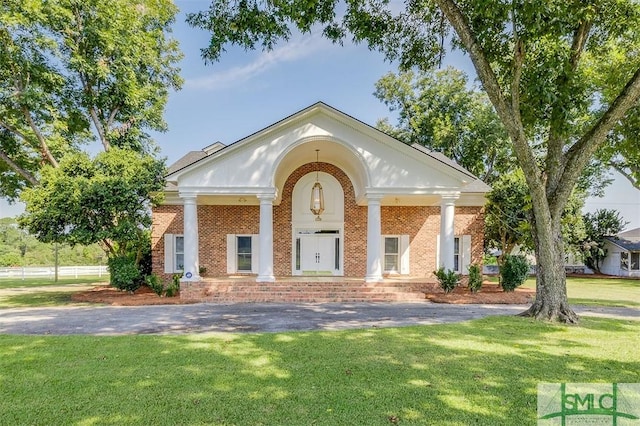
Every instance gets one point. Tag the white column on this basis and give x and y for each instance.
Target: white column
(265, 261)
(374, 244)
(447, 220)
(191, 261)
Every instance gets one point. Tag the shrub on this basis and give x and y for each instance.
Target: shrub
(514, 271)
(448, 279)
(124, 273)
(475, 278)
(155, 284)
(174, 286)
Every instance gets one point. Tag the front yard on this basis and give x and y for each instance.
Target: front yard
(479, 372)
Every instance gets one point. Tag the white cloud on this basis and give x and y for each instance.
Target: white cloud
(288, 52)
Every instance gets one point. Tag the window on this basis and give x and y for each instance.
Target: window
(243, 250)
(242, 253)
(173, 253)
(395, 254)
(461, 253)
(179, 253)
(630, 261)
(391, 254)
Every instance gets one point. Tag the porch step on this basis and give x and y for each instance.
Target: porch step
(305, 292)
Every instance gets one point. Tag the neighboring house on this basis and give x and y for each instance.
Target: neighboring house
(623, 254)
(389, 208)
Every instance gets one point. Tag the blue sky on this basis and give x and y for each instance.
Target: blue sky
(248, 90)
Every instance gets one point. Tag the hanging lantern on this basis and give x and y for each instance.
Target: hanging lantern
(317, 195)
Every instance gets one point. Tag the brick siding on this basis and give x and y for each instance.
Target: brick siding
(422, 224)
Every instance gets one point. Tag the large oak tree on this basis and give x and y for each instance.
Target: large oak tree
(74, 72)
(561, 74)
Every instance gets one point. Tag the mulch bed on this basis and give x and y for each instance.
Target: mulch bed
(112, 296)
(489, 294)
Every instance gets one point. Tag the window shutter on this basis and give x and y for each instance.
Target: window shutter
(466, 254)
(255, 253)
(231, 254)
(169, 253)
(404, 254)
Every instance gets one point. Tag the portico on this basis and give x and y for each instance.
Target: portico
(390, 209)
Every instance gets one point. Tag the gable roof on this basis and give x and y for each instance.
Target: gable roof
(194, 158)
(629, 240)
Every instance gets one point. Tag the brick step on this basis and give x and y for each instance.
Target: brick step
(223, 292)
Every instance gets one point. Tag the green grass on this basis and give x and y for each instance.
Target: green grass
(39, 299)
(482, 372)
(614, 292)
(40, 282)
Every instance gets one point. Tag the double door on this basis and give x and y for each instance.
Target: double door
(319, 254)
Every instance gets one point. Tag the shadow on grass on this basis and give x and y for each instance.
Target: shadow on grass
(44, 299)
(479, 372)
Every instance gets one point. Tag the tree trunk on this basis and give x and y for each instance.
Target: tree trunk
(551, 302)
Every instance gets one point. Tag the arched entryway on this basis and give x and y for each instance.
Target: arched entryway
(317, 242)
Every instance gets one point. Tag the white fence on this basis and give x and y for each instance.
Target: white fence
(50, 271)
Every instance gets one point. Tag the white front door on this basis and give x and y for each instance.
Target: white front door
(318, 254)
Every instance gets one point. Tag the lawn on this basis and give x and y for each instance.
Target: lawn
(481, 372)
(37, 292)
(42, 282)
(600, 291)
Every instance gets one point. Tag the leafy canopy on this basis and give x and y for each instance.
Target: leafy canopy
(438, 110)
(73, 72)
(106, 200)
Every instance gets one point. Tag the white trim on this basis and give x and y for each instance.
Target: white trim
(404, 255)
(169, 246)
(232, 253)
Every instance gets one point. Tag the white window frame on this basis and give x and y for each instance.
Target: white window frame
(171, 253)
(403, 254)
(232, 253)
(628, 263)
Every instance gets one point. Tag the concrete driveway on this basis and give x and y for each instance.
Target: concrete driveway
(254, 317)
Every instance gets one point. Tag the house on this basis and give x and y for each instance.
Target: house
(385, 209)
(623, 254)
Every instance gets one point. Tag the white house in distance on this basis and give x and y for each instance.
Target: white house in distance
(244, 211)
(623, 254)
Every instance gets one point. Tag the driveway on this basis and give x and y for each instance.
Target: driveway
(254, 317)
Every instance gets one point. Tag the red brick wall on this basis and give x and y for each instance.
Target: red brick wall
(422, 224)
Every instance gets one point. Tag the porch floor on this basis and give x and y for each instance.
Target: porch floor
(234, 289)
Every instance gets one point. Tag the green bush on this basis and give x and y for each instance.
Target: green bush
(448, 279)
(153, 281)
(174, 286)
(514, 271)
(124, 273)
(475, 278)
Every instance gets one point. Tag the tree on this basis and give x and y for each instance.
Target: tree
(598, 225)
(73, 72)
(560, 75)
(507, 215)
(436, 109)
(106, 200)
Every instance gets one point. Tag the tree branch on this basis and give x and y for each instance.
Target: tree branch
(555, 161)
(491, 86)
(21, 171)
(581, 152)
(46, 154)
(621, 168)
